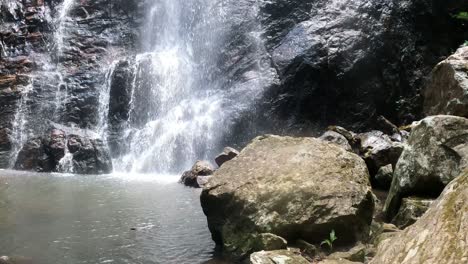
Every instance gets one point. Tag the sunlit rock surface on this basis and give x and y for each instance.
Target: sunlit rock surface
(435, 154)
(438, 237)
(447, 91)
(297, 188)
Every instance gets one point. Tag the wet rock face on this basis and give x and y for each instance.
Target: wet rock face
(44, 154)
(56, 63)
(296, 188)
(435, 154)
(447, 90)
(347, 62)
(438, 237)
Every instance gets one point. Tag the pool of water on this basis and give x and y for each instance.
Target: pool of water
(61, 219)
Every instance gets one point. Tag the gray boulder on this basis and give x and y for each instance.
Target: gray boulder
(447, 91)
(296, 188)
(384, 177)
(337, 139)
(277, 257)
(227, 155)
(435, 154)
(88, 153)
(411, 209)
(378, 150)
(198, 175)
(440, 236)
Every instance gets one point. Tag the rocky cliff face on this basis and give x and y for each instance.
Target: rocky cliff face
(53, 62)
(347, 62)
(322, 62)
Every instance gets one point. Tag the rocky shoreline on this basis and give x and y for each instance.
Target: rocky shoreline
(393, 196)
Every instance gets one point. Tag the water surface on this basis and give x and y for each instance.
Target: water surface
(101, 219)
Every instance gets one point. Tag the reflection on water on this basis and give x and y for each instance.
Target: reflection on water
(101, 219)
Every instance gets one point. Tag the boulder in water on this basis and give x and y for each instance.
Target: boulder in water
(33, 157)
(435, 154)
(201, 169)
(89, 155)
(296, 188)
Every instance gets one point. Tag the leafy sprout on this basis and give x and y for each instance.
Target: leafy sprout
(329, 241)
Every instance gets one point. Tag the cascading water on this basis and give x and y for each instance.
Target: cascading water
(29, 119)
(181, 105)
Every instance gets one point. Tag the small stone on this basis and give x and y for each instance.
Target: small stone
(277, 257)
(411, 210)
(357, 253)
(202, 170)
(307, 248)
(337, 139)
(227, 155)
(267, 241)
(384, 177)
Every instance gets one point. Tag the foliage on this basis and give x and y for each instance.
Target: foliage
(329, 241)
(462, 16)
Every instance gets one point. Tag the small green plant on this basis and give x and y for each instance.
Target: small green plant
(329, 241)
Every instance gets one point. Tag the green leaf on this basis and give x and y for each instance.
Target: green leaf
(333, 236)
(326, 242)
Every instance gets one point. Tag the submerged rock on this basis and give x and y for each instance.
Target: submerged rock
(447, 90)
(201, 169)
(227, 155)
(296, 188)
(277, 257)
(440, 236)
(435, 154)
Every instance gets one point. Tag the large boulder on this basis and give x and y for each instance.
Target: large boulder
(440, 236)
(447, 90)
(297, 188)
(436, 153)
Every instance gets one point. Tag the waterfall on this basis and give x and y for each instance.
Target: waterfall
(182, 103)
(43, 99)
(160, 104)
